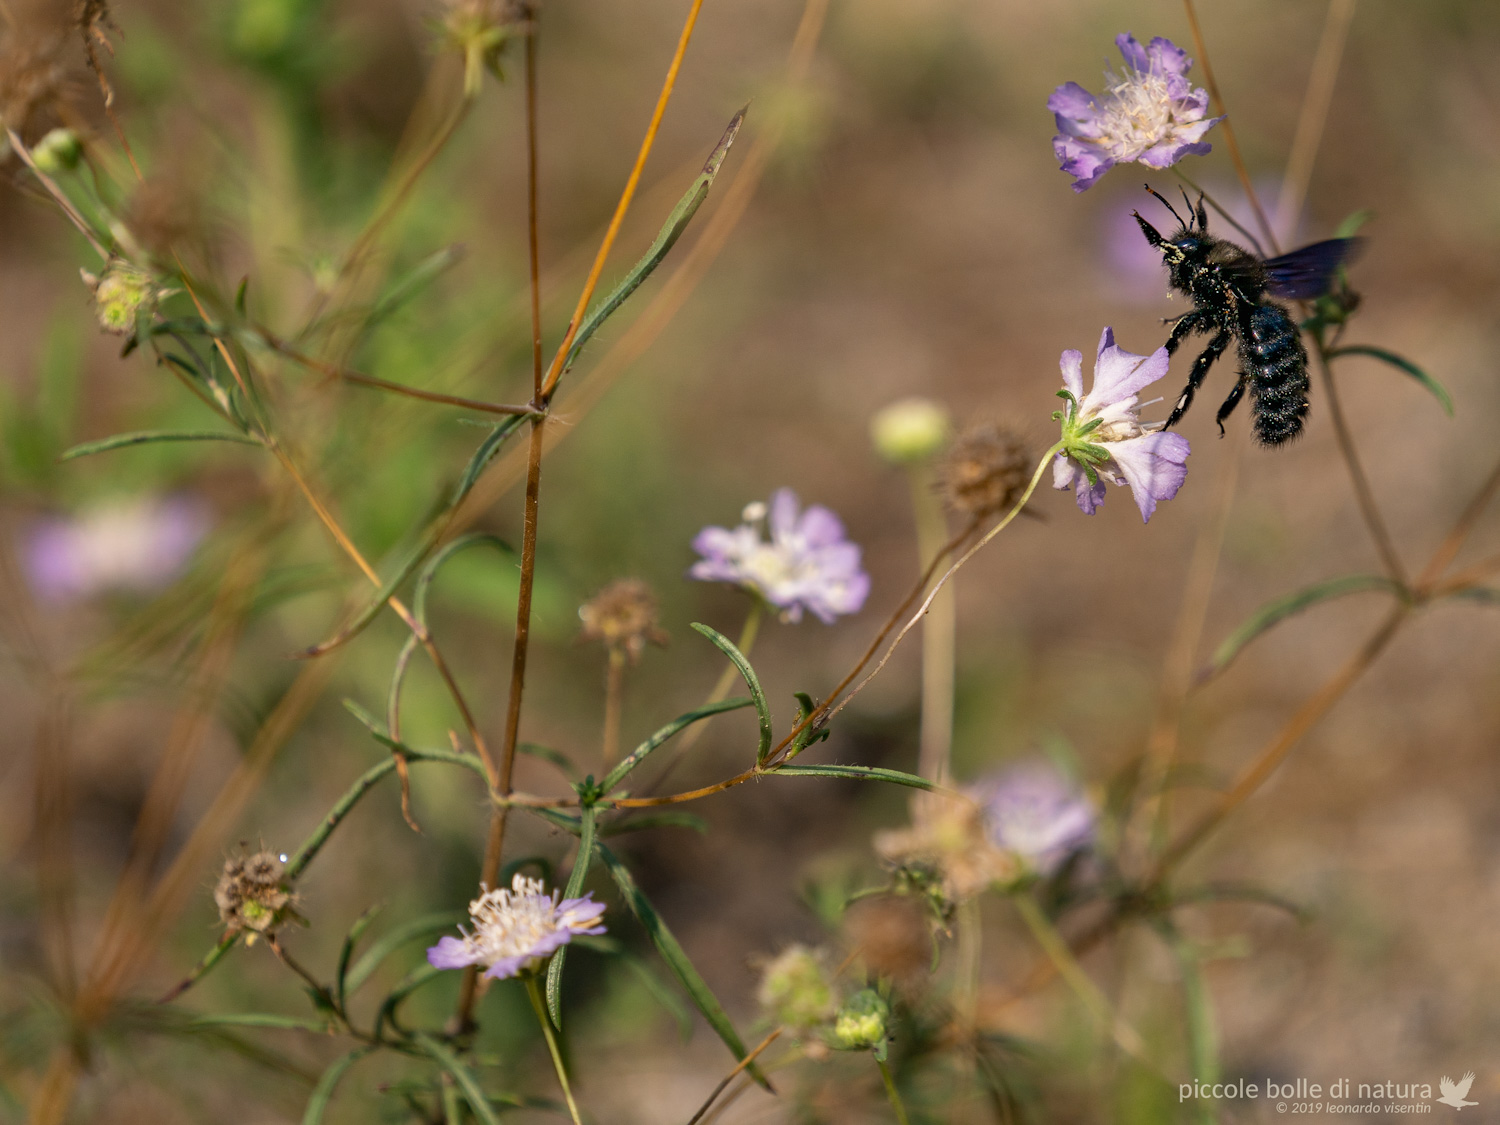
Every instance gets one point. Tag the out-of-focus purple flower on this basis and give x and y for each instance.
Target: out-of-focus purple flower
(1150, 113)
(138, 546)
(1104, 438)
(807, 564)
(1035, 814)
(515, 931)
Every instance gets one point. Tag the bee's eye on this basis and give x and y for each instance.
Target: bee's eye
(1186, 245)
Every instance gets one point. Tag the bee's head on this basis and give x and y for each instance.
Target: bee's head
(1186, 241)
(1183, 247)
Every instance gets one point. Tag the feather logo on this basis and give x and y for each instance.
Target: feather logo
(1455, 1092)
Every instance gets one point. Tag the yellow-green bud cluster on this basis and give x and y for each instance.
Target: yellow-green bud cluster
(59, 151)
(120, 295)
(862, 1023)
(910, 430)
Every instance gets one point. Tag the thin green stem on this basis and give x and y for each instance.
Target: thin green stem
(939, 636)
(892, 1093)
(1056, 947)
(539, 1006)
(614, 693)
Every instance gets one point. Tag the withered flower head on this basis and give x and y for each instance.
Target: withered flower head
(892, 935)
(34, 84)
(623, 617)
(250, 893)
(985, 471)
(478, 30)
(948, 841)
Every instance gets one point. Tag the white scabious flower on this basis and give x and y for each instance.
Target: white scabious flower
(516, 931)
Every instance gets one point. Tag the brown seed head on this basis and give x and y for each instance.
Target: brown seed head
(250, 894)
(892, 935)
(985, 472)
(623, 617)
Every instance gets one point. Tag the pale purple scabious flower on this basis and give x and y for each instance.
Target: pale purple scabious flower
(807, 564)
(1104, 438)
(139, 546)
(1035, 814)
(1150, 113)
(515, 931)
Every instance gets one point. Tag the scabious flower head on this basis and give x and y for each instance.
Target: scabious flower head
(1035, 814)
(910, 430)
(985, 472)
(138, 546)
(807, 564)
(623, 617)
(516, 931)
(251, 895)
(1150, 113)
(796, 989)
(1104, 438)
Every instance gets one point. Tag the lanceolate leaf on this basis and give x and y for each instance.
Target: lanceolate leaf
(261, 1019)
(860, 773)
(1275, 612)
(389, 942)
(574, 889)
(148, 437)
(448, 550)
(639, 754)
(1401, 364)
(346, 951)
(323, 1093)
(473, 1092)
(671, 230)
(677, 960)
(762, 709)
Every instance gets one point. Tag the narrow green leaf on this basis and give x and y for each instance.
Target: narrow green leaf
(557, 758)
(240, 294)
(737, 658)
(859, 773)
(811, 733)
(423, 274)
(671, 230)
(677, 960)
(346, 951)
(638, 755)
(473, 1093)
(394, 939)
(147, 437)
(655, 820)
(447, 551)
(1484, 595)
(323, 1092)
(1401, 364)
(413, 558)
(261, 1019)
(422, 974)
(575, 889)
(1279, 610)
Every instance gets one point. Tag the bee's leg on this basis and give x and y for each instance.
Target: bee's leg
(1216, 347)
(1231, 402)
(1189, 322)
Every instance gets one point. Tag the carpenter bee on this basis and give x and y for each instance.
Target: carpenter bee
(1228, 286)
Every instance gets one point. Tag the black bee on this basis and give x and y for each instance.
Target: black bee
(1228, 286)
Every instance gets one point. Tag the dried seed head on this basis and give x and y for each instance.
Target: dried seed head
(623, 617)
(34, 83)
(985, 472)
(250, 893)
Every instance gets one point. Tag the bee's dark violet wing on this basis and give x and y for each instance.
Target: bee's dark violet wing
(1307, 272)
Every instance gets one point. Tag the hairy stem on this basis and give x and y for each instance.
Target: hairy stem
(534, 991)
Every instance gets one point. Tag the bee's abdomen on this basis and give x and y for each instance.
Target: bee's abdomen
(1276, 363)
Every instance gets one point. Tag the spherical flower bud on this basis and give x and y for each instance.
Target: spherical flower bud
(59, 151)
(985, 472)
(862, 1023)
(623, 617)
(796, 990)
(119, 296)
(912, 429)
(250, 893)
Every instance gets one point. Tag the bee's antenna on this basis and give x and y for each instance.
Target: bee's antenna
(1168, 206)
(1203, 215)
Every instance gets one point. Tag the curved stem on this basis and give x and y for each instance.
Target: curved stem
(939, 637)
(614, 684)
(891, 1092)
(534, 991)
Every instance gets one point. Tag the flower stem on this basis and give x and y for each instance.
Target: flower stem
(1055, 946)
(614, 683)
(939, 633)
(892, 1093)
(534, 991)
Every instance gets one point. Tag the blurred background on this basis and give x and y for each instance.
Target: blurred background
(911, 235)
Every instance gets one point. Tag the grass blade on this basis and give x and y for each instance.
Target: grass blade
(638, 755)
(473, 1093)
(323, 1092)
(150, 437)
(1439, 391)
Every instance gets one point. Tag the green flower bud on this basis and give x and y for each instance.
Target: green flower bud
(119, 296)
(59, 151)
(912, 429)
(861, 1024)
(796, 990)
